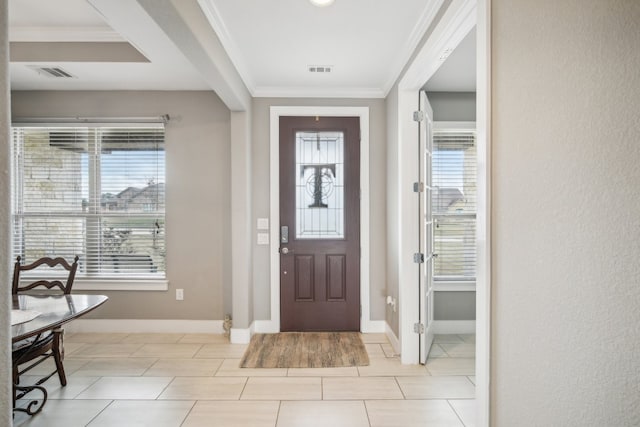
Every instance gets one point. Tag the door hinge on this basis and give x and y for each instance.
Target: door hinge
(418, 328)
(418, 116)
(418, 257)
(418, 187)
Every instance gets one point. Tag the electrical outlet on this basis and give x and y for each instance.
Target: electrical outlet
(179, 294)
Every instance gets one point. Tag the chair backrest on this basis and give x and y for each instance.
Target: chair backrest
(63, 285)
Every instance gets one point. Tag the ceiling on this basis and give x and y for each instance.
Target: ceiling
(97, 53)
(458, 72)
(124, 45)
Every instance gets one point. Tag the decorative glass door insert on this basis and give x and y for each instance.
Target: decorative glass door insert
(320, 185)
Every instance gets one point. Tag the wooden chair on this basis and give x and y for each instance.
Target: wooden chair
(46, 345)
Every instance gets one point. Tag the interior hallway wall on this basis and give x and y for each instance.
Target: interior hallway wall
(197, 191)
(565, 213)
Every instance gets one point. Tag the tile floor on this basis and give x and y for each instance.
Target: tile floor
(171, 380)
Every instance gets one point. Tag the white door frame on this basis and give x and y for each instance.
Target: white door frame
(273, 325)
(454, 25)
(457, 20)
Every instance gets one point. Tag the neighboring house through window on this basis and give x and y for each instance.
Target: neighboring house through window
(93, 191)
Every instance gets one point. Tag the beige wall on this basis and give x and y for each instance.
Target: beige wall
(393, 217)
(377, 155)
(198, 195)
(566, 204)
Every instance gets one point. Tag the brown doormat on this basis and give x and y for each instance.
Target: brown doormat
(305, 350)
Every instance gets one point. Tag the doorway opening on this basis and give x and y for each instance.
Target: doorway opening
(362, 113)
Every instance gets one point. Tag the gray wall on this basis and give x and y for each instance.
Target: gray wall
(198, 195)
(377, 156)
(453, 106)
(565, 203)
(454, 305)
(392, 183)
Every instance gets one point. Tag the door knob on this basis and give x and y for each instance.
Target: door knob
(284, 251)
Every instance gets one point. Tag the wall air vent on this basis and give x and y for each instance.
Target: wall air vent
(319, 68)
(53, 72)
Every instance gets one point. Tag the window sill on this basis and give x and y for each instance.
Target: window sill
(121, 285)
(454, 286)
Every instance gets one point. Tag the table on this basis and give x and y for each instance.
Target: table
(55, 311)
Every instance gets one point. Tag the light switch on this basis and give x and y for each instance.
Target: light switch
(263, 238)
(263, 224)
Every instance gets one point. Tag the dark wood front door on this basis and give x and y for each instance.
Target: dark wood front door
(319, 224)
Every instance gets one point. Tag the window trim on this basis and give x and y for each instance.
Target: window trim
(106, 284)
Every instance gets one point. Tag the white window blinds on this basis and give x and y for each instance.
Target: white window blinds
(94, 191)
(454, 204)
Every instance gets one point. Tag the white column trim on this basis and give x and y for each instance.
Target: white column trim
(5, 217)
(483, 219)
(273, 324)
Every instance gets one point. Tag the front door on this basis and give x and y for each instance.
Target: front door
(320, 223)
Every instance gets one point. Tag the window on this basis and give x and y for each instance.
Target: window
(454, 204)
(94, 191)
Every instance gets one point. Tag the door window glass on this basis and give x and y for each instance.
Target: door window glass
(319, 173)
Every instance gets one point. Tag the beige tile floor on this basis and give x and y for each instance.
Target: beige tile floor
(193, 380)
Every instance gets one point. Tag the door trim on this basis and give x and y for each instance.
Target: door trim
(273, 325)
(459, 17)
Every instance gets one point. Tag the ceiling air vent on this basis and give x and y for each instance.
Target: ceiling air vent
(54, 72)
(319, 68)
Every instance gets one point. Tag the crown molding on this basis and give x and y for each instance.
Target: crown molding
(450, 30)
(317, 92)
(428, 15)
(64, 34)
(217, 23)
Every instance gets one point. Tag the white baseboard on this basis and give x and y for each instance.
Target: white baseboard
(373, 327)
(145, 326)
(265, 327)
(454, 326)
(242, 335)
(393, 339)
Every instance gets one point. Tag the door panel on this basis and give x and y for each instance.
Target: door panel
(320, 208)
(336, 278)
(426, 227)
(304, 277)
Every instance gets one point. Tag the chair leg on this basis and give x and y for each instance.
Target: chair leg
(16, 381)
(58, 354)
